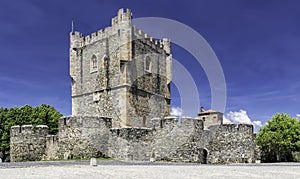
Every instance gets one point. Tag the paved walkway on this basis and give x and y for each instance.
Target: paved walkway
(120, 169)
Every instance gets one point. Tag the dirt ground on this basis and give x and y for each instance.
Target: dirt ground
(119, 169)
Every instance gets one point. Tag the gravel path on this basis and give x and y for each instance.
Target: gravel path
(157, 170)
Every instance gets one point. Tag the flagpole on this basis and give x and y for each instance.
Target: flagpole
(72, 26)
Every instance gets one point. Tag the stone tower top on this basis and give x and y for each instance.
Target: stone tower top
(123, 16)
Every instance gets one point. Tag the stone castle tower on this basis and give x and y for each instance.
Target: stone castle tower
(120, 108)
(121, 73)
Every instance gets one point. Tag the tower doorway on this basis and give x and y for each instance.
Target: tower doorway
(204, 156)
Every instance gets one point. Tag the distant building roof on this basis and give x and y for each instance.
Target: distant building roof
(210, 111)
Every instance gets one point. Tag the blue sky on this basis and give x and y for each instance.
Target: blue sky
(257, 43)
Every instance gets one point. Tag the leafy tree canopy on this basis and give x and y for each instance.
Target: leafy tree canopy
(40, 115)
(279, 137)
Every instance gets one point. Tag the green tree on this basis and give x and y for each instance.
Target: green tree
(278, 138)
(40, 115)
(47, 115)
(6, 121)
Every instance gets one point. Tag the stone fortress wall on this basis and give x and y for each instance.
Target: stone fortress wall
(232, 143)
(28, 143)
(166, 140)
(78, 137)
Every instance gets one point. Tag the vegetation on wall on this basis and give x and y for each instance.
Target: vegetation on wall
(279, 138)
(40, 115)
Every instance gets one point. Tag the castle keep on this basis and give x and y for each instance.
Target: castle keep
(120, 108)
(121, 73)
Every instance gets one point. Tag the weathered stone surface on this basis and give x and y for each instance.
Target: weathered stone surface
(81, 137)
(28, 143)
(232, 144)
(170, 138)
(130, 143)
(111, 78)
(78, 137)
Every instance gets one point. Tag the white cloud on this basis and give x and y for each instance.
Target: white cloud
(258, 123)
(298, 115)
(176, 111)
(238, 117)
(241, 116)
(226, 121)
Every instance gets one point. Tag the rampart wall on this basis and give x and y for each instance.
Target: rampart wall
(175, 141)
(165, 140)
(130, 143)
(231, 143)
(78, 137)
(82, 137)
(28, 143)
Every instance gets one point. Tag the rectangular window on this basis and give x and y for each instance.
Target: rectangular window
(148, 64)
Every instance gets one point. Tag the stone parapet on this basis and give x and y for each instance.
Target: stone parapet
(130, 143)
(28, 143)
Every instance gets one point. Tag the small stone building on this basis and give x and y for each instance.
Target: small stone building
(120, 108)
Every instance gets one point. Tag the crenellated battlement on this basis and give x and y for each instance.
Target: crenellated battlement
(28, 143)
(163, 44)
(51, 139)
(123, 16)
(119, 23)
(248, 128)
(131, 133)
(234, 128)
(77, 39)
(84, 122)
(169, 121)
(185, 122)
(40, 130)
(191, 122)
(99, 35)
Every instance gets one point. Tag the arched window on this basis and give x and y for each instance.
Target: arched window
(105, 61)
(94, 63)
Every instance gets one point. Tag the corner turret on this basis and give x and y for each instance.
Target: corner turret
(167, 47)
(76, 40)
(123, 17)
